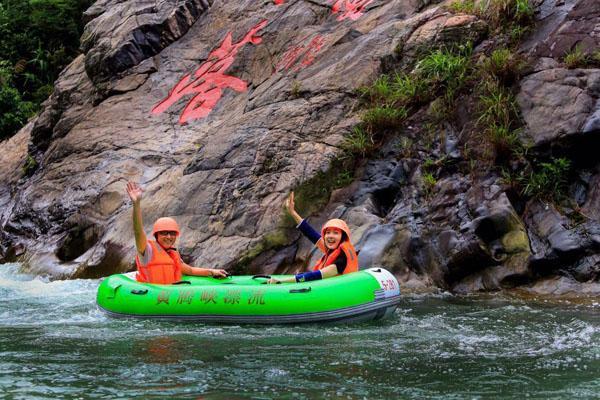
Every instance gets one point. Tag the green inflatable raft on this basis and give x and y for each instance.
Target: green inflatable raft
(369, 294)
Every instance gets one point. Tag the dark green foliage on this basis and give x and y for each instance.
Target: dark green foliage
(14, 112)
(546, 180)
(38, 38)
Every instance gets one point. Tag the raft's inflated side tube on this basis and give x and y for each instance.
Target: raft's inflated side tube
(361, 296)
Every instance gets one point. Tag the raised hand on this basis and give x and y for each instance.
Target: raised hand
(289, 203)
(134, 191)
(290, 206)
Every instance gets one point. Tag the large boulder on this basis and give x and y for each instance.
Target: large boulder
(224, 110)
(560, 104)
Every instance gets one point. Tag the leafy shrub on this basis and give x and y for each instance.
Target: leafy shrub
(14, 112)
(38, 38)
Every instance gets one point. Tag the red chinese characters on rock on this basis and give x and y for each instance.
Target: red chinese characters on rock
(349, 9)
(279, 2)
(209, 80)
(301, 55)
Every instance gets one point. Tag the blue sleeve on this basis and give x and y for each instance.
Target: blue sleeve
(309, 231)
(309, 276)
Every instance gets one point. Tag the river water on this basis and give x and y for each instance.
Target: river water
(55, 343)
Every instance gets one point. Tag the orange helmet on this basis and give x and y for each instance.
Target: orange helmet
(165, 224)
(336, 223)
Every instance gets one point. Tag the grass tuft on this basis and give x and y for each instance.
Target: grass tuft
(549, 180)
(576, 58)
(359, 142)
(384, 117)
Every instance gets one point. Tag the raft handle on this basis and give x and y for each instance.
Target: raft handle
(182, 283)
(139, 291)
(377, 270)
(303, 290)
(261, 276)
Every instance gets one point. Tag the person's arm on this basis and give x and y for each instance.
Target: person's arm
(303, 225)
(195, 271)
(324, 273)
(329, 271)
(135, 194)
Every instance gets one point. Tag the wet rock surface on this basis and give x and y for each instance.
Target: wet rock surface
(219, 109)
(121, 34)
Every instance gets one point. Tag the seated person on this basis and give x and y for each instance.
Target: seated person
(339, 256)
(157, 260)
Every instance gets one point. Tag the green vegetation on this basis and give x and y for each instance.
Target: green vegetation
(450, 79)
(384, 117)
(295, 90)
(38, 38)
(548, 180)
(14, 110)
(399, 91)
(463, 7)
(497, 105)
(496, 11)
(576, 58)
(446, 70)
(429, 182)
(359, 142)
(30, 165)
(503, 64)
(500, 14)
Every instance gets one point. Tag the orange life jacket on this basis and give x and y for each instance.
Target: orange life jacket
(330, 256)
(164, 267)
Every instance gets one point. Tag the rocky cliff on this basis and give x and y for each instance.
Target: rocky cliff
(220, 108)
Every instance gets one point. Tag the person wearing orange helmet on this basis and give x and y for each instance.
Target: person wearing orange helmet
(157, 260)
(339, 256)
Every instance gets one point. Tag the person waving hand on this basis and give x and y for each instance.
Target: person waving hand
(157, 260)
